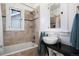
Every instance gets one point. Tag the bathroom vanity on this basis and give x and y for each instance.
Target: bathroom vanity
(66, 50)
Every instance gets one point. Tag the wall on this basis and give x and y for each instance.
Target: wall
(65, 38)
(72, 11)
(44, 17)
(64, 16)
(1, 29)
(14, 37)
(67, 18)
(42, 23)
(69, 10)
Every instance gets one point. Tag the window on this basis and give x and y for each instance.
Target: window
(15, 19)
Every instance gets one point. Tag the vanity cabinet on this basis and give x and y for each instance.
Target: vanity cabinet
(65, 50)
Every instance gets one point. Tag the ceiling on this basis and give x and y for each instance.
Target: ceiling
(32, 5)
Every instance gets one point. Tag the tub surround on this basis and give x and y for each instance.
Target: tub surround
(29, 52)
(18, 49)
(19, 43)
(37, 24)
(15, 37)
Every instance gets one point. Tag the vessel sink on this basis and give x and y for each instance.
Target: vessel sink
(50, 40)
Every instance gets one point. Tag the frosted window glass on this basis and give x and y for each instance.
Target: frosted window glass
(15, 19)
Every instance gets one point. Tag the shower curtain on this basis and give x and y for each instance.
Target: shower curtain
(74, 39)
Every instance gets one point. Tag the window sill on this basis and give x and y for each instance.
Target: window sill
(14, 29)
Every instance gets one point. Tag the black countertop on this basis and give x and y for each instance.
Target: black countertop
(64, 49)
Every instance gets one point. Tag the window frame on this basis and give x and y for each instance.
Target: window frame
(8, 18)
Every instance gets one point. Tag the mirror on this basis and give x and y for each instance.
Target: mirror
(55, 21)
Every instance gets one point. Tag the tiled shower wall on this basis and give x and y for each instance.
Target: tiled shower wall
(14, 37)
(37, 25)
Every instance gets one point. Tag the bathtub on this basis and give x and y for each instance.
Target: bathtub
(8, 50)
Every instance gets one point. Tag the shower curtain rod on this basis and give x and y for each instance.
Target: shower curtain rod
(27, 5)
